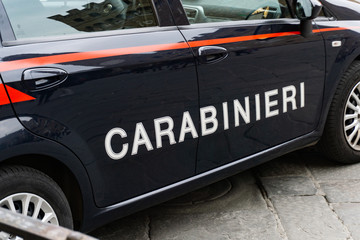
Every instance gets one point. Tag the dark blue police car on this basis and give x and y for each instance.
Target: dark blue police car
(110, 106)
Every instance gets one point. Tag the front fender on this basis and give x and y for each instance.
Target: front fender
(338, 59)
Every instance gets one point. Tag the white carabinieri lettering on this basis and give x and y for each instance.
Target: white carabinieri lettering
(264, 105)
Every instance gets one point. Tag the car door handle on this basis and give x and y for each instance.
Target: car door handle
(212, 54)
(43, 78)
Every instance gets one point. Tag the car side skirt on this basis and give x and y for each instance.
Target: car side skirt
(122, 209)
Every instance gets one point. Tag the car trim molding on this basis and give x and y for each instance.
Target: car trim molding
(80, 56)
(201, 43)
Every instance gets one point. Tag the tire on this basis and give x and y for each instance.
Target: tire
(341, 138)
(18, 183)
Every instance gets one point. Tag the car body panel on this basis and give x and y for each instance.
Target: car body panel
(104, 93)
(16, 142)
(252, 73)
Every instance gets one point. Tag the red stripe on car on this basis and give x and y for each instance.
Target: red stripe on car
(72, 57)
(15, 95)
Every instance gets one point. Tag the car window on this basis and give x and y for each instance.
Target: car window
(37, 18)
(202, 11)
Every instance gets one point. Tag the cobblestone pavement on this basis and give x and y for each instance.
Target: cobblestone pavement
(298, 196)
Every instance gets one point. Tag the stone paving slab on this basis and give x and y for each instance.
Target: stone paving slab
(244, 195)
(216, 226)
(308, 217)
(324, 170)
(243, 205)
(298, 196)
(288, 186)
(349, 213)
(134, 227)
(342, 191)
(288, 165)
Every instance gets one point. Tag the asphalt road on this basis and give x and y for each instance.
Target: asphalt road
(298, 196)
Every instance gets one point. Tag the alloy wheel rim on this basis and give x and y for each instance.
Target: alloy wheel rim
(31, 205)
(352, 118)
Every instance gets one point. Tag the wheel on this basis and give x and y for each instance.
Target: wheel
(30, 192)
(341, 138)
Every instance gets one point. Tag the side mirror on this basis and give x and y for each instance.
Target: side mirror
(305, 11)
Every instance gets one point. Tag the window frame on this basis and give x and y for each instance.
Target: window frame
(163, 18)
(183, 12)
(242, 23)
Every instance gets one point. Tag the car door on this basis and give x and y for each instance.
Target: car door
(260, 82)
(109, 79)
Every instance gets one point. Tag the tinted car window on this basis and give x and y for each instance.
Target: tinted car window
(36, 18)
(201, 11)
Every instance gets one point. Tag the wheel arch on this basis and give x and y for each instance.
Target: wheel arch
(61, 174)
(18, 146)
(332, 80)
